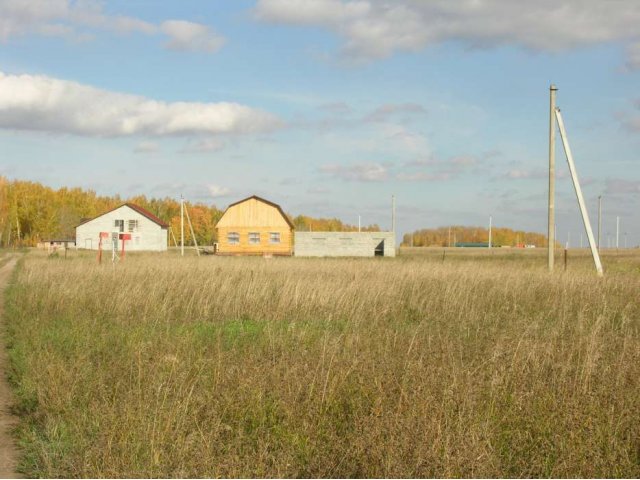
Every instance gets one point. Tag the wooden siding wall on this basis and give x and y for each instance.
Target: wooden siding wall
(285, 246)
(253, 213)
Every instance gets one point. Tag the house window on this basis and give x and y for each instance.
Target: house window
(133, 225)
(119, 225)
(274, 237)
(254, 238)
(233, 238)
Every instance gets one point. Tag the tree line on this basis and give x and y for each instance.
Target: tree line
(449, 236)
(31, 212)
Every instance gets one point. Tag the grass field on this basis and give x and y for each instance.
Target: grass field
(445, 364)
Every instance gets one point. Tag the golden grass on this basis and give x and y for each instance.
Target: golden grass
(479, 365)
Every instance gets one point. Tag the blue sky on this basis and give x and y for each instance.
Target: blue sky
(329, 107)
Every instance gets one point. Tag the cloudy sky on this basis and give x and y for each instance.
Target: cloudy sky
(329, 107)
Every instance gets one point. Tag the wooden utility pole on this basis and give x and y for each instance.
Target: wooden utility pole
(552, 176)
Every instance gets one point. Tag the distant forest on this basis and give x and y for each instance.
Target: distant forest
(30, 212)
(445, 236)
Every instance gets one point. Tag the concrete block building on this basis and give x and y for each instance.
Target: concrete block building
(345, 244)
(148, 232)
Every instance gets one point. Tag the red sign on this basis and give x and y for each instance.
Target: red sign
(125, 236)
(104, 234)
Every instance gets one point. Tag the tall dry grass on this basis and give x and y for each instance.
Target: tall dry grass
(475, 366)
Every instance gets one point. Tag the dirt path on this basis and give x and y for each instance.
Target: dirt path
(8, 450)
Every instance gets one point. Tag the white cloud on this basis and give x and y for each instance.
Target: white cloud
(523, 174)
(422, 177)
(631, 121)
(29, 102)
(217, 191)
(633, 56)
(310, 12)
(620, 186)
(384, 112)
(374, 29)
(71, 19)
(367, 172)
(204, 145)
(146, 147)
(191, 36)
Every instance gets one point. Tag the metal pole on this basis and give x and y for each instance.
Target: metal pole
(358, 223)
(576, 186)
(552, 176)
(181, 226)
(599, 218)
(617, 232)
(449, 240)
(490, 221)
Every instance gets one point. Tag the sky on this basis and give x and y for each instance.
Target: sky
(330, 107)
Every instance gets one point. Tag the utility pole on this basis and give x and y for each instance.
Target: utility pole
(599, 218)
(552, 176)
(578, 190)
(193, 235)
(449, 240)
(617, 232)
(393, 214)
(490, 221)
(393, 221)
(181, 225)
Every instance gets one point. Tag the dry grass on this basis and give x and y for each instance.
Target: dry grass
(479, 365)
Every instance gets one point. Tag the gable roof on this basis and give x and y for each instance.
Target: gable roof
(142, 211)
(260, 199)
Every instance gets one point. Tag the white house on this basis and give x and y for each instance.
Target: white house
(148, 232)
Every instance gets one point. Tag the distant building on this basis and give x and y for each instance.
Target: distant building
(254, 226)
(54, 245)
(345, 244)
(148, 232)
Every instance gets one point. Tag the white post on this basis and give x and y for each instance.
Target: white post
(599, 218)
(358, 223)
(617, 232)
(181, 226)
(393, 222)
(449, 238)
(490, 221)
(576, 186)
(193, 235)
(552, 177)
(393, 213)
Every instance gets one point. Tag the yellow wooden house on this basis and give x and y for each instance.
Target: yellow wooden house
(254, 226)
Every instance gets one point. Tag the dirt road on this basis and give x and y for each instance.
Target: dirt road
(8, 450)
